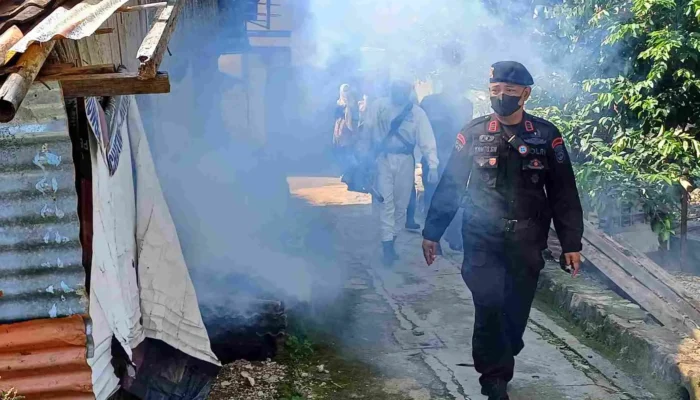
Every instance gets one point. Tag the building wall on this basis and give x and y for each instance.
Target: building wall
(41, 271)
(42, 279)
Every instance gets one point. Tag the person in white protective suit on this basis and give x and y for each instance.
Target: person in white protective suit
(396, 126)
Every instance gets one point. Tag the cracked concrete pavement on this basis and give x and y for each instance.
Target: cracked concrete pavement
(414, 323)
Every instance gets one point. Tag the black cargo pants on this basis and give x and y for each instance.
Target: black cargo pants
(501, 269)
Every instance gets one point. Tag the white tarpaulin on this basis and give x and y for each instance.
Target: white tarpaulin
(135, 234)
(104, 381)
(114, 281)
(168, 301)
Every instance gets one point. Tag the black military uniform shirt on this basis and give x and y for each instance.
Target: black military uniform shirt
(531, 181)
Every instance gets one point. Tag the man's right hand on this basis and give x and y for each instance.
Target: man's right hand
(429, 251)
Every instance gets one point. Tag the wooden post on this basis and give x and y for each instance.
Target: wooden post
(688, 186)
(17, 84)
(685, 199)
(154, 44)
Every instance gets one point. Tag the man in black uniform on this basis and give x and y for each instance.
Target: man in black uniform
(518, 176)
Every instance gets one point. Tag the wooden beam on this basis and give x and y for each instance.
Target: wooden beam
(655, 306)
(659, 273)
(103, 31)
(645, 271)
(153, 47)
(645, 282)
(142, 7)
(17, 84)
(52, 72)
(114, 84)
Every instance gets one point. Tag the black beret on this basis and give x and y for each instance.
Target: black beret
(511, 72)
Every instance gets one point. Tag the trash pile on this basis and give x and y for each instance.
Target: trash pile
(251, 381)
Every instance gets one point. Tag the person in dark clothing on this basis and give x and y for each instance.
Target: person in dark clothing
(448, 111)
(411, 223)
(517, 175)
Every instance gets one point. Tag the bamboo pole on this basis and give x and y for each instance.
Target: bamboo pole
(7, 40)
(15, 87)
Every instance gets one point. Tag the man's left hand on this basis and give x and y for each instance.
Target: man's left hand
(573, 259)
(432, 176)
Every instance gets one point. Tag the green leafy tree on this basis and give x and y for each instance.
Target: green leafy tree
(632, 125)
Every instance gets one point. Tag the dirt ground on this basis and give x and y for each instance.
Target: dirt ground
(405, 332)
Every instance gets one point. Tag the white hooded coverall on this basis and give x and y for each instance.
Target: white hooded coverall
(396, 172)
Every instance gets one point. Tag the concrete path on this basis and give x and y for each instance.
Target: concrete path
(414, 323)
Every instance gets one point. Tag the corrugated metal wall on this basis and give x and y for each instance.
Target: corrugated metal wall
(45, 359)
(41, 272)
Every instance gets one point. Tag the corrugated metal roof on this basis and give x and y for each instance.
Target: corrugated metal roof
(41, 271)
(68, 21)
(45, 358)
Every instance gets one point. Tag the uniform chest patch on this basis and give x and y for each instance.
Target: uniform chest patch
(535, 164)
(486, 162)
(460, 142)
(487, 138)
(485, 149)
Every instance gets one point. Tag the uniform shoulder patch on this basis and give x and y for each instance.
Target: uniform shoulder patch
(546, 129)
(541, 121)
(476, 122)
(557, 142)
(559, 150)
(460, 142)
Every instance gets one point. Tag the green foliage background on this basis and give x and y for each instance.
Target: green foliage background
(632, 121)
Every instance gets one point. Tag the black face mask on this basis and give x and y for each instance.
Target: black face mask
(506, 105)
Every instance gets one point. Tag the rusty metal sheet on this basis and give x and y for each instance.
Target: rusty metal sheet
(45, 358)
(10, 8)
(68, 22)
(41, 271)
(23, 12)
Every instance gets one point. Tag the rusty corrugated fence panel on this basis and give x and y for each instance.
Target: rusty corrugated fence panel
(68, 21)
(45, 358)
(41, 271)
